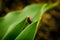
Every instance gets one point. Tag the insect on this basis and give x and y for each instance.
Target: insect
(29, 20)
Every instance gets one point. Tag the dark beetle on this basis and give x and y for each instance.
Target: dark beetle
(29, 20)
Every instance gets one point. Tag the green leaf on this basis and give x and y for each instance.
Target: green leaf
(13, 18)
(15, 31)
(10, 24)
(50, 6)
(24, 34)
(32, 10)
(30, 31)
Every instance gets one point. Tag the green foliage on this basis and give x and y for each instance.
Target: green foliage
(14, 25)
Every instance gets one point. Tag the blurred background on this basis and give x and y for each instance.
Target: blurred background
(49, 28)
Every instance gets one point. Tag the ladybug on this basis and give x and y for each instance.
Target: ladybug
(29, 20)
